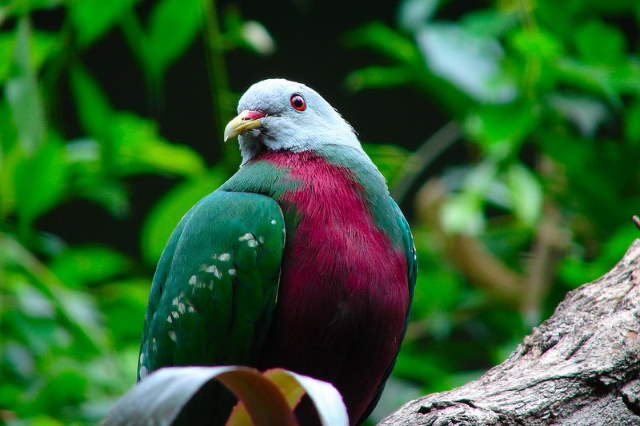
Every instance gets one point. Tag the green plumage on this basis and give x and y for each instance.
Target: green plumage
(216, 283)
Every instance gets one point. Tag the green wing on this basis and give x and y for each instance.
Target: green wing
(216, 284)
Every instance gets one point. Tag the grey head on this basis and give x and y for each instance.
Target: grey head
(279, 114)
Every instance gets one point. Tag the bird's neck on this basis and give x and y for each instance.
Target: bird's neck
(316, 173)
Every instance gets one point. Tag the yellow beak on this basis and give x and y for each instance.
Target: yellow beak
(246, 120)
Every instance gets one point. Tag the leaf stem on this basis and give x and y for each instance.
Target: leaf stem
(216, 65)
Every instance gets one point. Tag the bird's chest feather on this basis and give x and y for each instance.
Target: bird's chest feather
(337, 262)
(343, 291)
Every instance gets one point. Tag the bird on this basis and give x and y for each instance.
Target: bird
(301, 260)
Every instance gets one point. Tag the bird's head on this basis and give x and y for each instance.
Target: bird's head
(279, 114)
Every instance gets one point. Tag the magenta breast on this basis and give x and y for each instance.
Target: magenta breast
(343, 294)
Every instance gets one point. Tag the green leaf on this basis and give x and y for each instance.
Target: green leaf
(536, 43)
(7, 46)
(490, 22)
(138, 148)
(87, 265)
(500, 128)
(525, 194)
(450, 51)
(64, 388)
(8, 163)
(390, 159)
(385, 41)
(88, 180)
(42, 46)
(165, 394)
(632, 123)
(598, 78)
(40, 180)
(124, 303)
(462, 214)
(377, 77)
(92, 105)
(23, 93)
(92, 18)
(74, 310)
(173, 24)
(598, 42)
(167, 212)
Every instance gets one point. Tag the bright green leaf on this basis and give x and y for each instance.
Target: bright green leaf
(462, 214)
(87, 265)
(595, 78)
(377, 77)
(88, 180)
(385, 41)
(92, 105)
(598, 42)
(390, 159)
(501, 127)
(173, 24)
(632, 123)
(40, 180)
(7, 45)
(23, 93)
(525, 193)
(92, 18)
(536, 43)
(490, 22)
(8, 163)
(138, 148)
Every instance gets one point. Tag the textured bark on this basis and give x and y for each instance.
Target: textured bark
(579, 367)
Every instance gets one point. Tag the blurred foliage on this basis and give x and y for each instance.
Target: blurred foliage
(543, 99)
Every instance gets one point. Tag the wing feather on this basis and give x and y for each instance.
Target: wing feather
(216, 284)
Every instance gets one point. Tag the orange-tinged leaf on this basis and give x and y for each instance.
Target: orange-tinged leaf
(293, 386)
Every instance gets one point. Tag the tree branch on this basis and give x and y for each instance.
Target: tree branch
(579, 367)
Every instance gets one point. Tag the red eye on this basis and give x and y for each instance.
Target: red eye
(298, 102)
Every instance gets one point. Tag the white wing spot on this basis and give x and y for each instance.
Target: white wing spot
(181, 308)
(191, 309)
(193, 280)
(214, 270)
(143, 372)
(169, 320)
(175, 314)
(174, 302)
(273, 221)
(224, 257)
(172, 335)
(246, 237)
(232, 272)
(252, 243)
